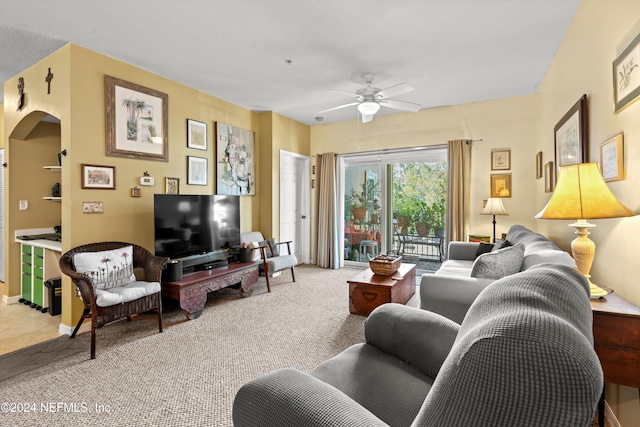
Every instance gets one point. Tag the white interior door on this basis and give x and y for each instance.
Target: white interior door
(294, 203)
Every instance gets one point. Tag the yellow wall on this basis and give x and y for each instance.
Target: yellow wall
(77, 99)
(505, 123)
(583, 64)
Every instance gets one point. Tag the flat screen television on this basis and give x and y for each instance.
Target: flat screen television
(187, 225)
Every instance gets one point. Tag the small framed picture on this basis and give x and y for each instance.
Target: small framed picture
(99, 177)
(612, 159)
(626, 76)
(571, 136)
(171, 185)
(196, 135)
(196, 170)
(549, 183)
(92, 207)
(500, 160)
(539, 165)
(501, 185)
(135, 192)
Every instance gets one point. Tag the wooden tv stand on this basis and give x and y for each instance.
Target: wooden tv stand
(191, 291)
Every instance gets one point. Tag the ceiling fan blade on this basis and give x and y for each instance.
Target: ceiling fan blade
(401, 105)
(366, 118)
(394, 91)
(339, 107)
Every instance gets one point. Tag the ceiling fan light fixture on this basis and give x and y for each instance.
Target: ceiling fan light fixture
(368, 108)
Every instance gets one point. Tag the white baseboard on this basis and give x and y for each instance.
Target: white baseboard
(65, 329)
(11, 300)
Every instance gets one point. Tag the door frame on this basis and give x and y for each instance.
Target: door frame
(305, 245)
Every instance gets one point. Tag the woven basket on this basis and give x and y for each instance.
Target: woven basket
(385, 265)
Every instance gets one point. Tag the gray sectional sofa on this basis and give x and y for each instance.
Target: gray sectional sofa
(455, 286)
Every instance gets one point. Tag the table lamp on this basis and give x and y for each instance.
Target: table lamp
(494, 207)
(582, 194)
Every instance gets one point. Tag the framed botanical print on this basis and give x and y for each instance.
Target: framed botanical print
(612, 159)
(501, 185)
(571, 136)
(500, 159)
(626, 76)
(196, 170)
(171, 185)
(196, 135)
(136, 121)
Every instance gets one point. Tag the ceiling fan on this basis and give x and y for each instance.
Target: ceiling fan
(370, 99)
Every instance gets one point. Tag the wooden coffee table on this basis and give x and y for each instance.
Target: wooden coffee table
(368, 291)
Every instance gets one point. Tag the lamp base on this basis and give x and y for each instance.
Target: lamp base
(584, 250)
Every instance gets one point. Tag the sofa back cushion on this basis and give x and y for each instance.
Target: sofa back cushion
(107, 269)
(537, 248)
(498, 264)
(523, 356)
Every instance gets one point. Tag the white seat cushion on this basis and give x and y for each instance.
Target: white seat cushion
(129, 292)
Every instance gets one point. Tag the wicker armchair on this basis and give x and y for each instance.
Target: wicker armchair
(95, 309)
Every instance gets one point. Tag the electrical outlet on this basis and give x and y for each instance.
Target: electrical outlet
(24, 205)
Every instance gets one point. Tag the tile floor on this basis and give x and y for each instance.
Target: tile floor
(22, 326)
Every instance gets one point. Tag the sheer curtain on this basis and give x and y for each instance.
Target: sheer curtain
(327, 250)
(458, 191)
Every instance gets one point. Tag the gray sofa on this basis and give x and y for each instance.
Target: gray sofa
(453, 288)
(523, 356)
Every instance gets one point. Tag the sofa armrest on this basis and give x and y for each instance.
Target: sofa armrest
(418, 337)
(289, 397)
(450, 296)
(463, 250)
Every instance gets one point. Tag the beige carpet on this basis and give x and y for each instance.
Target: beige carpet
(189, 374)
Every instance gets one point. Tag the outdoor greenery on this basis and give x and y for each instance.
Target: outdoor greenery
(420, 194)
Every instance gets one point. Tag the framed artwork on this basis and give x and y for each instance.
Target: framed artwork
(92, 207)
(136, 121)
(626, 76)
(196, 135)
(571, 136)
(235, 157)
(539, 165)
(171, 185)
(501, 185)
(612, 159)
(548, 177)
(135, 192)
(99, 177)
(500, 160)
(196, 170)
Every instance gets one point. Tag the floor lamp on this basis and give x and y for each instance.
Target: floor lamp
(582, 194)
(494, 207)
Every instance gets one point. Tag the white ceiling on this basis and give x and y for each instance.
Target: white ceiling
(450, 51)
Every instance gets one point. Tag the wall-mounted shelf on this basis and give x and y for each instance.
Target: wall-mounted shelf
(53, 198)
(53, 168)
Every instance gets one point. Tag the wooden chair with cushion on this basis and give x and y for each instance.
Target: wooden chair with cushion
(104, 276)
(268, 251)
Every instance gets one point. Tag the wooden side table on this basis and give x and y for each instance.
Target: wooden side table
(616, 337)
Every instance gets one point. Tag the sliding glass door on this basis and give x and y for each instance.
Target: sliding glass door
(394, 202)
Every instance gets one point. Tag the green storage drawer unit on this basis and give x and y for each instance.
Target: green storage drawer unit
(38, 265)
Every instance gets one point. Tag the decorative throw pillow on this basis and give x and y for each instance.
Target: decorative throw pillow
(483, 248)
(267, 250)
(107, 269)
(500, 263)
(256, 254)
(273, 247)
